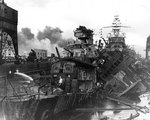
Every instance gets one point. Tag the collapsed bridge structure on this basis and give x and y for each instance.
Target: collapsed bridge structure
(87, 73)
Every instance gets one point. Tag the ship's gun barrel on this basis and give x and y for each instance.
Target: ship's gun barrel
(69, 51)
(57, 52)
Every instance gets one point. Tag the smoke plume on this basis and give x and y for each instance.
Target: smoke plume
(24, 35)
(27, 33)
(63, 42)
(46, 39)
(53, 34)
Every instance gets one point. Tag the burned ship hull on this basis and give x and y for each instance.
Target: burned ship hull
(46, 97)
(121, 77)
(118, 71)
(30, 109)
(41, 109)
(86, 72)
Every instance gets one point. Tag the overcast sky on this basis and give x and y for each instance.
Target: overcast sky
(94, 14)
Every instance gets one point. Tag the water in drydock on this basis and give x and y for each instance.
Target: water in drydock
(87, 114)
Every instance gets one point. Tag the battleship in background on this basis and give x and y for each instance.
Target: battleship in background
(88, 73)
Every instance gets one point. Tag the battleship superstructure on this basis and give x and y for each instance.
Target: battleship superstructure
(38, 91)
(118, 70)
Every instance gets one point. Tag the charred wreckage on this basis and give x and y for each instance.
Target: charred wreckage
(88, 72)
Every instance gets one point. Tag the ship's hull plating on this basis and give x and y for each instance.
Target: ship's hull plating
(40, 109)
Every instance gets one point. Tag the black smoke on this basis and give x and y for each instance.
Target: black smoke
(49, 36)
(25, 40)
(27, 33)
(53, 34)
